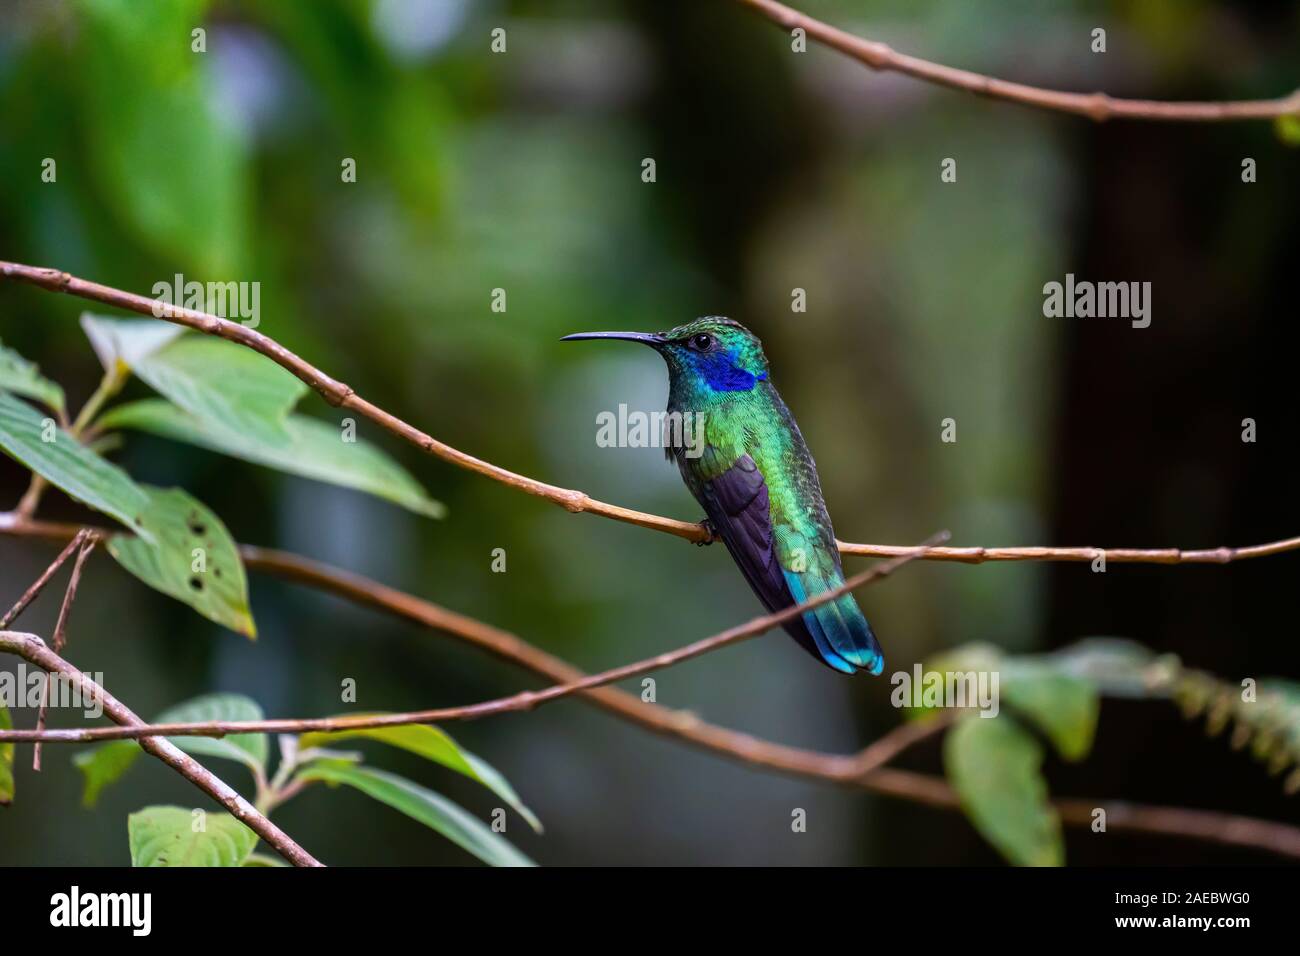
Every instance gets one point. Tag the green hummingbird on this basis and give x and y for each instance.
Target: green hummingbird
(756, 480)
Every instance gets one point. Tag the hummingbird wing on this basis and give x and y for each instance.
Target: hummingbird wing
(784, 568)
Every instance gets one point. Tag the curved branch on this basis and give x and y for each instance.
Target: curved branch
(344, 396)
(854, 770)
(527, 700)
(32, 649)
(1095, 106)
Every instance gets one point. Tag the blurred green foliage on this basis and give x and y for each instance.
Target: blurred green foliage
(520, 171)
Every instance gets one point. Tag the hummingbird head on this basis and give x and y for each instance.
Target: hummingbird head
(712, 352)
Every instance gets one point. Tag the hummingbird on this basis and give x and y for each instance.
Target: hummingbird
(757, 483)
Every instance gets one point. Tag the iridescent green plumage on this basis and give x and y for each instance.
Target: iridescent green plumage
(758, 484)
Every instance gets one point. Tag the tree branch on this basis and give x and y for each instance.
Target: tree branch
(527, 700)
(32, 649)
(853, 770)
(1095, 106)
(344, 396)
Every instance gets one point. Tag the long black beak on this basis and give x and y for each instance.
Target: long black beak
(645, 338)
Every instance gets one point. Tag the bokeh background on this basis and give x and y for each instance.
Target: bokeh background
(774, 171)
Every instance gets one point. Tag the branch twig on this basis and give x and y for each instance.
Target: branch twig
(527, 700)
(60, 635)
(1095, 106)
(344, 396)
(32, 649)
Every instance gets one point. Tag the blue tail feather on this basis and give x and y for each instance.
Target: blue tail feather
(843, 638)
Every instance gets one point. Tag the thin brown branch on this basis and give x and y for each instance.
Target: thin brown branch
(527, 700)
(854, 770)
(60, 636)
(78, 536)
(849, 770)
(1095, 106)
(32, 649)
(343, 396)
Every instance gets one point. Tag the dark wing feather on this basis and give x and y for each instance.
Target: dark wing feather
(737, 503)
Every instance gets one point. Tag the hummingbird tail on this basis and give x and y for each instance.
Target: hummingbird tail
(840, 636)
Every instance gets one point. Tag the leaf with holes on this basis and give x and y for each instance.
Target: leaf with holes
(173, 836)
(315, 450)
(33, 439)
(433, 744)
(192, 558)
(994, 764)
(22, 377)
(432, 809)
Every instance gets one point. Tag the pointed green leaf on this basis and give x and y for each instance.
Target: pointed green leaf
(431, 809)
(103, 765)
(166, 836)
(192, 558)
(315, 450)
(107, 762)
(994, 765)
(121, 343)
(225, 385)
(436, 745)
(69, 466)
(6, 762)
(22, 377)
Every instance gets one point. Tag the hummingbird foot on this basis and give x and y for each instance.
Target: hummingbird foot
(710, 530)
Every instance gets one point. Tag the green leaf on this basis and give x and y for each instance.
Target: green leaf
(22, 377)
(315, 450)
(192, 558)
(1064, 708)
(171, 164)
(103, 765)
(1116, 665)
(106, 763)
(263, 859)
(69, 466)
(1056, 692)
(1288, 129)
(121, 344)
(436, 745)
(249, 749)
(431, 809)
(165, 836)
(994, 765)
(6, 762)
(225, 385)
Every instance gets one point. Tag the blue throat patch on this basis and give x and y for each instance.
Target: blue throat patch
(722, 374)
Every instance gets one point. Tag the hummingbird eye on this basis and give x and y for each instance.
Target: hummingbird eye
(702, 342)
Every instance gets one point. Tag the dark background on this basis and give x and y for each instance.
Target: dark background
(775, 171)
